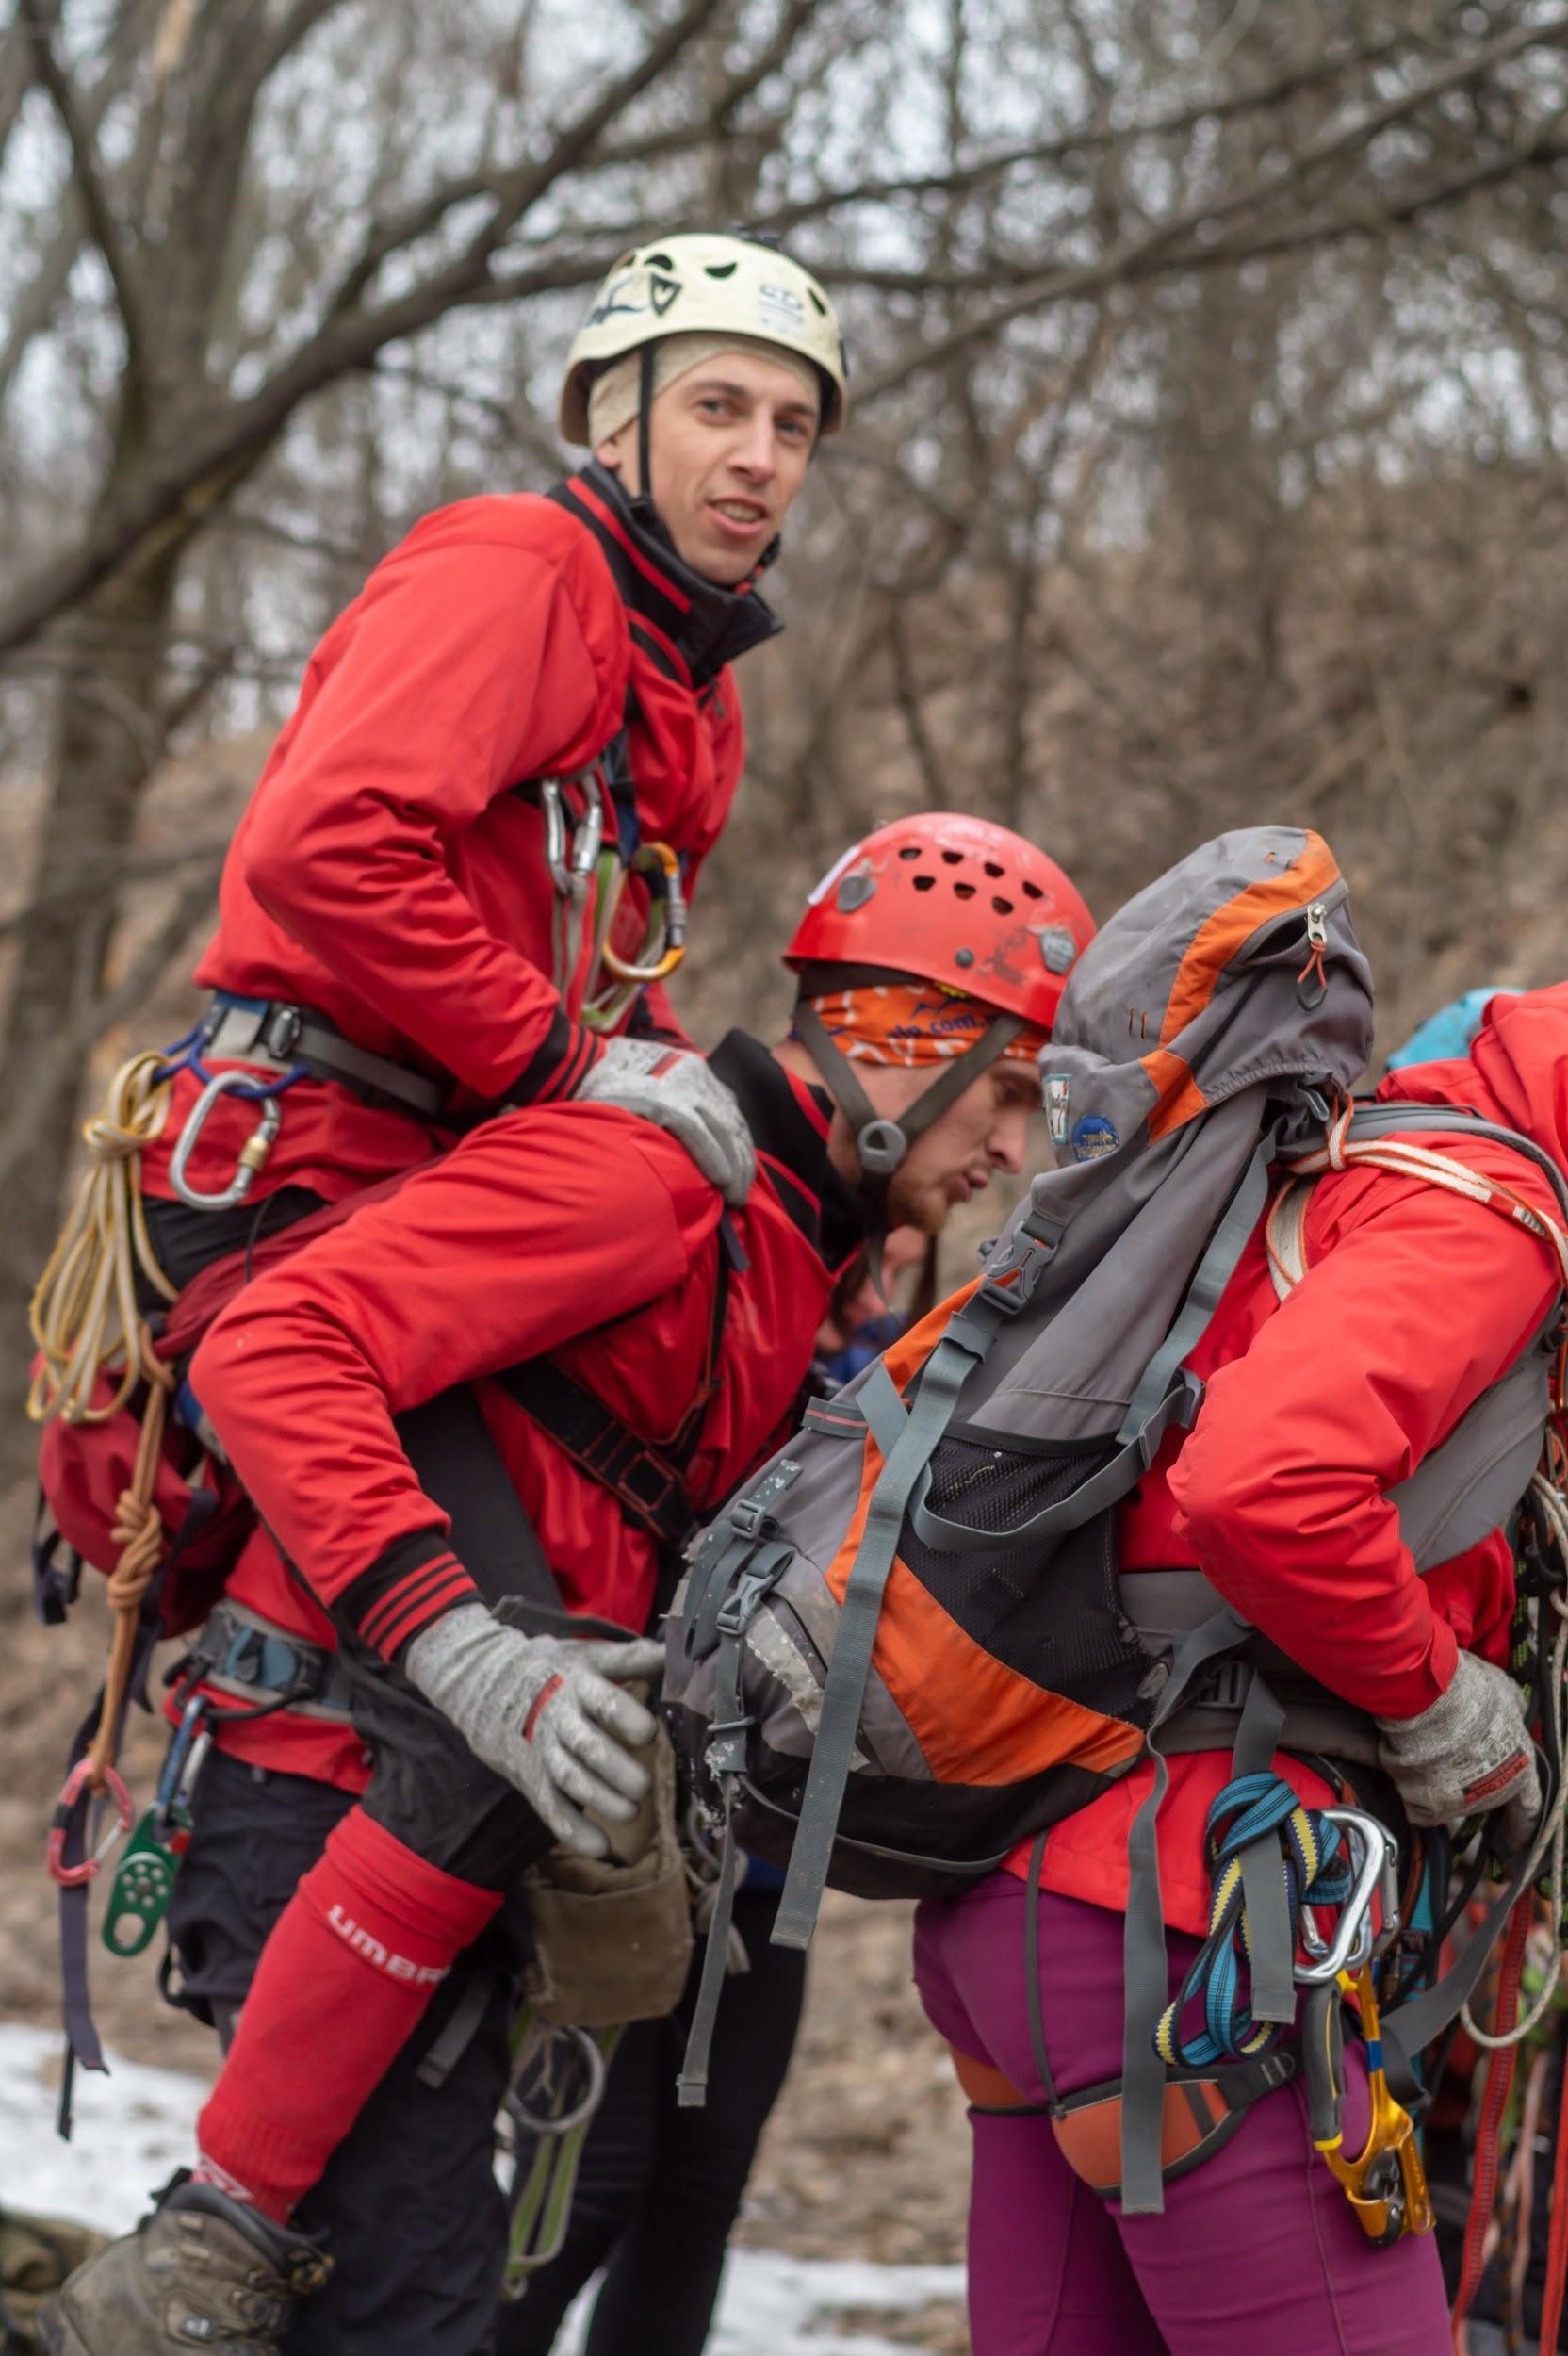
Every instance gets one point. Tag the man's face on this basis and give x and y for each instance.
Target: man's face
(984, 1130)
(729, 445)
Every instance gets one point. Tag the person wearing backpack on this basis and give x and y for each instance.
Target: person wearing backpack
(1316, 1406)
(1186, 1523)
(467, 866)
(636, 1350)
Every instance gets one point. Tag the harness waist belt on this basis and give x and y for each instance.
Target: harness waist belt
(279, 1036)
(240, 1653)
(1164, 1606)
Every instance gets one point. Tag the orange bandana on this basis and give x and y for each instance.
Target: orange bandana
(913, 1023)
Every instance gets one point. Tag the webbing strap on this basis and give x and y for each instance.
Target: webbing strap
(1215, 1271)
(1144, 1952)
(691, 2086)
(1393, 1118)
(945, 1372)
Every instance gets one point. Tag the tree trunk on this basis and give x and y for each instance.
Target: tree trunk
(108, 739)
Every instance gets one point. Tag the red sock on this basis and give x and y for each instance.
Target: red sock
(356, 1956)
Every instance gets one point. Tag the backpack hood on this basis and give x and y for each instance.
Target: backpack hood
(1206, 985)
(1516, 1071)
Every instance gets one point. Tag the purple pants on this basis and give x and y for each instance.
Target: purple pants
(1257, 2253)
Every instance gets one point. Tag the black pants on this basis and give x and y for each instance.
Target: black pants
(409, 2206)
(660, 2187)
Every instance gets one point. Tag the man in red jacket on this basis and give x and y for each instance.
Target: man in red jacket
(465, 872)
(633, 1345)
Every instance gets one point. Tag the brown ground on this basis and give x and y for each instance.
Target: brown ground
(866, 2155)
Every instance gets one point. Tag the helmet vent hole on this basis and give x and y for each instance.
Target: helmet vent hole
(720, 270)
(953, 858)
(1032, 891)
(963, 891)
(911, 850)
(993, 870)
(817, 301)
(925, 883)
(658, 261)
(1002, 908)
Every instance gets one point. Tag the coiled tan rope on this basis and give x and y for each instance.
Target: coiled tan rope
(83, 1313)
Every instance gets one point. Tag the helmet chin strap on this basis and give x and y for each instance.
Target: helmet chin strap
(881, 1142)
(645, 436)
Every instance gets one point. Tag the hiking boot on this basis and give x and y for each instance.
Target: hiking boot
(202, 2271)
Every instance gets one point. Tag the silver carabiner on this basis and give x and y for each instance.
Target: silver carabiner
(593, 2058)
(586, 845)
(252, 1154)
(1377, 1876)
(552, 808)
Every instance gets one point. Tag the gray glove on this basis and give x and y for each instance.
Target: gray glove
(1467, 1755)
(541, 1710)
(675, 1090)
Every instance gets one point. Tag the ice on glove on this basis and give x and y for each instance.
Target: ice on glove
(542, 1711)
(676, 1090)
(1468, 1755)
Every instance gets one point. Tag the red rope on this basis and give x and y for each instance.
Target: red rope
(1499, 2082)
(1556, 2238)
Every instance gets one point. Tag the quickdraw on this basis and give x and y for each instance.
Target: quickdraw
(557, 2084)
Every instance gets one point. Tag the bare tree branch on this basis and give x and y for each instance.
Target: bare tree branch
(104, 227)
(1149, 249)
(219, 450)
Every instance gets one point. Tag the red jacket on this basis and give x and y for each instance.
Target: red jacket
(573, 1231)
(1415, 1301)
(384, 873)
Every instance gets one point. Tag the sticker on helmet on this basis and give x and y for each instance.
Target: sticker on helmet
(1059, 1096)
(856, 890)
(780, 310)
(1093, 1138)
(1057, 948)
(616, 298)
(661, 292)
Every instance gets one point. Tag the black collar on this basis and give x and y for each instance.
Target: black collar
(833, 1217)
(690, 628)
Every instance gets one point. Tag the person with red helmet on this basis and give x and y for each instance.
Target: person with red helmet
(635, 1349)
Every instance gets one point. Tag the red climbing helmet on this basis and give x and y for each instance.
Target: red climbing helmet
(940, 898)
(951, 900)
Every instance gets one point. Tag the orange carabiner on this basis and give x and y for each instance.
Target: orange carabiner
(665, 945)
(1385, 2184)
(77, 1782)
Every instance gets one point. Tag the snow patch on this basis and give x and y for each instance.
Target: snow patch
(134, 2128)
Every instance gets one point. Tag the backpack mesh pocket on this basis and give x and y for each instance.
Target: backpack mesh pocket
(1048, 1609)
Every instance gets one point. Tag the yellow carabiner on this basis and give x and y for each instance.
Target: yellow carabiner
(1385, 2184)
(666, 943)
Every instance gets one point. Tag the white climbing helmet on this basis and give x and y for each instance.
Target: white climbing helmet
(704, 284)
